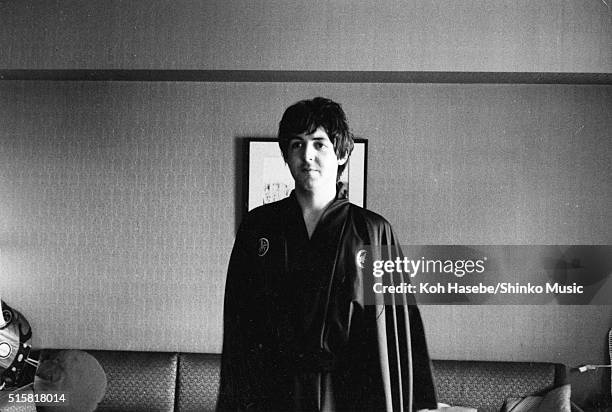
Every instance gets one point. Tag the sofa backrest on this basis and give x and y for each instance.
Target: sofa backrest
(486, 385)
(138, 381)
(186, 382)
(198, 382)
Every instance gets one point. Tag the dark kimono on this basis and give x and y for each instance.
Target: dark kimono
(297, 334)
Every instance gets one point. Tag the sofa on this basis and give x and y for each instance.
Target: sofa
(169, 381)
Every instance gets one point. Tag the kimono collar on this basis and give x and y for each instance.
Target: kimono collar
(341, 199)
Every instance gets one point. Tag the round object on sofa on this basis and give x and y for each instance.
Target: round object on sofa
(76, 374)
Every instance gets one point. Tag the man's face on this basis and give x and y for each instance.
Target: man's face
(312, 161)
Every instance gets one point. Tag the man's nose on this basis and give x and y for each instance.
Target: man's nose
(308, 152)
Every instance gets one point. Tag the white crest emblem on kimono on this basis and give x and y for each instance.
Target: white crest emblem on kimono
(262, 246)
(360, 258)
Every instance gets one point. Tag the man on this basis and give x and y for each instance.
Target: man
(297, 332)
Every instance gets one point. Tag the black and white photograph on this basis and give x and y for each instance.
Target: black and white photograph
(306, 206)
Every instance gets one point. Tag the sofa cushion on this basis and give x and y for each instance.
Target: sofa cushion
(198, 382)
(486, 385)
(557, 400)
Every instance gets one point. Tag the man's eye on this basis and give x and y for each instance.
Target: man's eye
(296, 145)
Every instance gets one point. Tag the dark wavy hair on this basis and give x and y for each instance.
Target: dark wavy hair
(306, 116)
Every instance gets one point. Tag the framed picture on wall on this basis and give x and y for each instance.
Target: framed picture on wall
(268, 178)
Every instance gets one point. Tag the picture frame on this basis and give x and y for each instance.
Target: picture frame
(268, 178)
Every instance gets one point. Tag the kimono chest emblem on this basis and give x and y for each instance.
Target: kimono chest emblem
(360, 258)
(262, 246)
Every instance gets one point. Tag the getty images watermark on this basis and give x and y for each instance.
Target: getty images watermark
(506, 275)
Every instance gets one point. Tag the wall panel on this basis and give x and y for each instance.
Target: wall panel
(118, 201)
(346, 35)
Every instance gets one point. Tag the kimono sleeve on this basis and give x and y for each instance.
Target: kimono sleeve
(235, 387)
(404, 359)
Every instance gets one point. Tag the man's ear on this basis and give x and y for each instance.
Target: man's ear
(342, 160)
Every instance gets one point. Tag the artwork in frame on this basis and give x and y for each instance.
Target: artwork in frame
(268, 178)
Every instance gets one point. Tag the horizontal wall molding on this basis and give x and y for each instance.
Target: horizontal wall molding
(290, 76)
